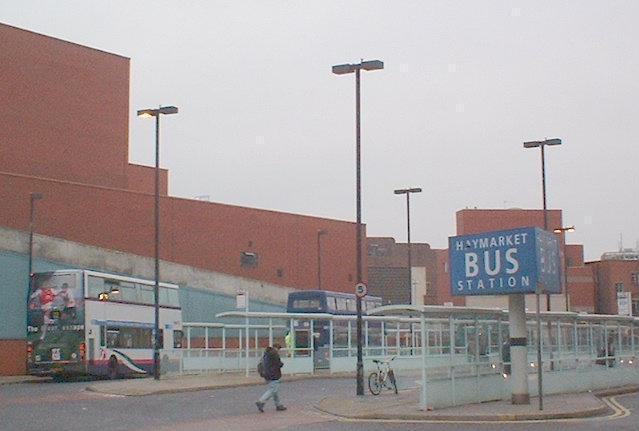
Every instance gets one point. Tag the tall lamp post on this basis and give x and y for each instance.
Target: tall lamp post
(407, 192)
(542, 145)
(320, 232)
(561, 230)
(147, 113)
(343, 69)
(34, 197)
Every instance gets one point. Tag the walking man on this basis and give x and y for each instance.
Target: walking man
(272, 375)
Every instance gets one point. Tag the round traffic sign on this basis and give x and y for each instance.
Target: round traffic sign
(360, 290)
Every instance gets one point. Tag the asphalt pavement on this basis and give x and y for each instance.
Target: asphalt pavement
(226, 401)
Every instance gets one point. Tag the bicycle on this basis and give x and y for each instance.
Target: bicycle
(384, 377)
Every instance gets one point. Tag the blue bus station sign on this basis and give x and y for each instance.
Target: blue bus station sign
(504, 262)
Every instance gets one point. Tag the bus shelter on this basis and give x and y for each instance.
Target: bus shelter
(459, 355)
(579, 352)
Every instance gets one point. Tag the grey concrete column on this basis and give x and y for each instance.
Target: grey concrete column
(518, 349)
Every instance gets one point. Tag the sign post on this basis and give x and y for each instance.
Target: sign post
(242, 301)
(512, 262)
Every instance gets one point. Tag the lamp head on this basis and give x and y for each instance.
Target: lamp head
(372, 65)
(343, 69)
(535, 144)
(165, 110)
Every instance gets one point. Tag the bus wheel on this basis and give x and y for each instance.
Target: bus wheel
(113, 368)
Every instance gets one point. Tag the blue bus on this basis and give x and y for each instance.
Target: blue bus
(322, 301)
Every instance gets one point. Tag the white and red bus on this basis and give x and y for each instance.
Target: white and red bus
(87, 322)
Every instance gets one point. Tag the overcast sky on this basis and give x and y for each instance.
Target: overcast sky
(264, 123)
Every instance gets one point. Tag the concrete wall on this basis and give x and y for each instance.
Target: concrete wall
(203, 294)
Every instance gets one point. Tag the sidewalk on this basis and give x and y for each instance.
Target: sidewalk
(189, 383)
(405, 406)
(10, 380)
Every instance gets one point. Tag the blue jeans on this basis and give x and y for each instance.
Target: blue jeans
(273, 387)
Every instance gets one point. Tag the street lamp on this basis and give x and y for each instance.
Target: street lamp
(542, 145)
(342, 69)
(561, 230)
(320, 232)
(147, 113)
(34, 197)
(407, 192)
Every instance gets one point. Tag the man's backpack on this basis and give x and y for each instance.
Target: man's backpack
(261, 369)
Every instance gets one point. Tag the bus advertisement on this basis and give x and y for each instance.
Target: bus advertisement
(86, 322)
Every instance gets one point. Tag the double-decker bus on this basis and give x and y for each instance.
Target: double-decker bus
(323, 301)
(87, 322)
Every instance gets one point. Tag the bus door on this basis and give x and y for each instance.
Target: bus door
(302, 332)
(321, 344)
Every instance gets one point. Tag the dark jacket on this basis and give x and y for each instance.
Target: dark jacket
(272, 364)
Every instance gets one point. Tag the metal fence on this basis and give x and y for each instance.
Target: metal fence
(462, 353)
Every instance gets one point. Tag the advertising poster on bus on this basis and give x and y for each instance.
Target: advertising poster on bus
(55, 318)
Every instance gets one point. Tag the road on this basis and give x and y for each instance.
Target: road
(67, 406)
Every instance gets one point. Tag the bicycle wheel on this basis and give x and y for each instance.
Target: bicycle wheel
(392, 381)
(373, 384)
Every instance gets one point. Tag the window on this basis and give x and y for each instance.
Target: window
(168, 297)
(313, 304)
(350, 304)
(248, 259)
(146, 294)
(129, 338)
(96, 286)
(128, 292)
(341, 304)
(177, 339)
(331, 303)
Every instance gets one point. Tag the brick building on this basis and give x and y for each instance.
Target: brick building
(64, 127)
(388, 275)
(616, 272)
(388, 263)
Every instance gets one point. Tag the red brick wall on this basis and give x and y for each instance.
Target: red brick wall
(142, 179)
(201, 234)
(442, 283)
(607, 273)
(14, 357)
(581, 289)
(64, 111)
(574, 254)
(472, 221)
